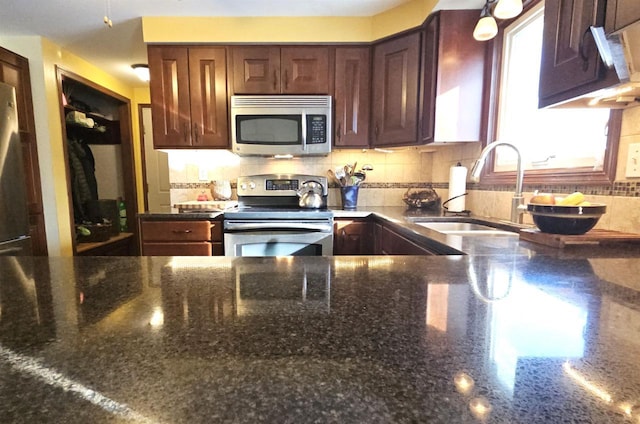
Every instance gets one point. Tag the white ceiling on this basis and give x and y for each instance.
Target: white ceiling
(77, 25)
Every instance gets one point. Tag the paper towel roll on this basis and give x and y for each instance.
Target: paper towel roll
(457, 187)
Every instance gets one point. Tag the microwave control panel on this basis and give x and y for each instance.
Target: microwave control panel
(316, 129)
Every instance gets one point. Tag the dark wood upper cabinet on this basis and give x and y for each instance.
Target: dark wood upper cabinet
(352, 96)
(571, 65)
(280, 70)
(621, 13)
(453, 70)
(14, 70)
(396, 64)
(188, 97)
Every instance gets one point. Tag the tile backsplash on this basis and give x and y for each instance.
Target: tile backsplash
(192, 171)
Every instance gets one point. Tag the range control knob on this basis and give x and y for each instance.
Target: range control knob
(252, 185)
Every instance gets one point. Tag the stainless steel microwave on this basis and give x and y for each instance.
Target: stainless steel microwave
(281, 125)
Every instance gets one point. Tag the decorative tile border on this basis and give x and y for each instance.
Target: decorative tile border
(618, 188)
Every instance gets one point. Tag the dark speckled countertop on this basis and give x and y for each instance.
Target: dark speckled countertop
(508, 338)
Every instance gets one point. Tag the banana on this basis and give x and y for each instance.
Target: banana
(573, 199)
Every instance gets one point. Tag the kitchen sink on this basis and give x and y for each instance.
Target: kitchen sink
(466, 229)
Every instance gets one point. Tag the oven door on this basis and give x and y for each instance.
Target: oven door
(294, 239)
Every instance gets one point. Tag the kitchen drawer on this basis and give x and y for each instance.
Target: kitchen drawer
(177, 231)
(177, 249)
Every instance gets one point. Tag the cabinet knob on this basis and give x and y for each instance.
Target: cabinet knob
(196, 133)
(286, 80)
(339, 132)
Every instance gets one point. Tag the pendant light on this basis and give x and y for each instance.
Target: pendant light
(486, 28)
(507, 9)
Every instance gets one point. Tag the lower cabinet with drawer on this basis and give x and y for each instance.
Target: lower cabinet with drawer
(389, 242)
(181, 238)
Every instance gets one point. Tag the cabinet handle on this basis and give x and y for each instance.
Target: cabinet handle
(339, 132)
(376, 131)
(275, 80)
(582, 50)
(196, 133)
(286, 80)
(180, 231)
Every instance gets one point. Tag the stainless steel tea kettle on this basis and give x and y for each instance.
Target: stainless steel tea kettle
(310, 194)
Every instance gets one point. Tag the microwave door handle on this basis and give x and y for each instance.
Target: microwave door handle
(304, 132)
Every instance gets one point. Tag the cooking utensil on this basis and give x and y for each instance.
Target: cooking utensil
(334, 176)
(359, 177)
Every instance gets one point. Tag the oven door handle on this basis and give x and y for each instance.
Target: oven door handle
(261, 226)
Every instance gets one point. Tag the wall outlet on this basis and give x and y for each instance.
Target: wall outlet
(633, 160)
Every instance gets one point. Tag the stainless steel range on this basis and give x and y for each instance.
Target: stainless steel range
(280, 215)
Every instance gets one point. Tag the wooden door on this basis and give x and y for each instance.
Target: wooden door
(395, 91)
(208, 93)
(571, 64)
(14, 70)
(256, 70)
(352, 96)
(170, 103)
(304, 70)
(156, 169)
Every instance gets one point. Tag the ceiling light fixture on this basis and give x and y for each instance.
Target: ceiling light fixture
(507, 9)
(142, 71)
(487, 28)
(107, 12)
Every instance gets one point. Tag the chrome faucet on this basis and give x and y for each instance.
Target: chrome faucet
(517, 203)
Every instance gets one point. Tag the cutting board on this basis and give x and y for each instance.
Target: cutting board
(209, 205)
(592, 237)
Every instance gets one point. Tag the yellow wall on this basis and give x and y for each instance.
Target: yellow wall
(328, 29)
(52, 56)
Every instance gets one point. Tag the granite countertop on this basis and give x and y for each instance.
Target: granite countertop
(505, 338)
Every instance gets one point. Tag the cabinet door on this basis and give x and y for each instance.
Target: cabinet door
(352, 96)
(169, 87)
(352, 238)
(395, 97)
(304, 70)
(621, 13)
(208, 95)
(571, 65)
(395, 244)
(256, 70)
(452, 75)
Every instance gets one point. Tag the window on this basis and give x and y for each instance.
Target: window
(557, 145)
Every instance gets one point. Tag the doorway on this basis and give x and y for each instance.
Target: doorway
(155, 164)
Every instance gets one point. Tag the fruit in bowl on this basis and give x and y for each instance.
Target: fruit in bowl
(566, 219)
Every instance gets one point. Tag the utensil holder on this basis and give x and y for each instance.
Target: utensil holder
(349, 196)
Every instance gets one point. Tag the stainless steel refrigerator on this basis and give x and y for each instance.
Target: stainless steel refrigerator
(14, 216)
